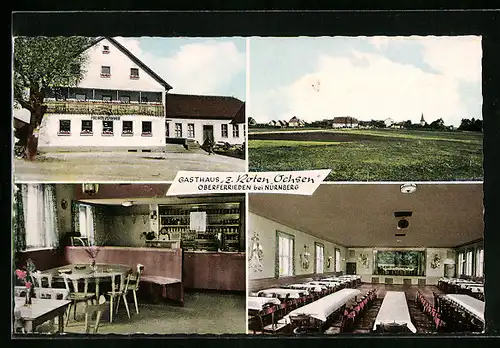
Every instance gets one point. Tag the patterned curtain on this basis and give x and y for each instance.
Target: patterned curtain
(75, 216)
(18, 220)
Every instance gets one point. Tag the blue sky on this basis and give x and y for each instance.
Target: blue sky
(209, 66)
(365, 77)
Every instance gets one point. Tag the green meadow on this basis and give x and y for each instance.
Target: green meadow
(371, 155)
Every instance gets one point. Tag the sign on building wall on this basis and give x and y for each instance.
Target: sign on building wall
(106, 118)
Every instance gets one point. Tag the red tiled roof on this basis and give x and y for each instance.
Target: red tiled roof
(204, 106)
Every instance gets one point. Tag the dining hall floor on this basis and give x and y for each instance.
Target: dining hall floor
(203, 313)
(421, 322)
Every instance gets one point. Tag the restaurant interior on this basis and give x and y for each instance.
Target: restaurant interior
(125, 259)
(361, 259)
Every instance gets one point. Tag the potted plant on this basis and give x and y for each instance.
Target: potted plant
(148, 235)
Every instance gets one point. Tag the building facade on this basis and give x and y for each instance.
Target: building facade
(200, 117)
(120, 103)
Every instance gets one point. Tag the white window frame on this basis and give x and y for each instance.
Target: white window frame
(337, 260)
(469, 257)
(461, 263)
(224, 130)
(39, 217)
(146, 134)
(480, 262)
(236, 131)
(190, 130)
(319, 260)
(86, 131)
(178, 130)
(86, 219)
(285, 256)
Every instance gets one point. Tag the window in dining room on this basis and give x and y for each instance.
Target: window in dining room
(337, 260)
(480, 262)
(319, 259)
(86, 221)
(35, 223)
(284, 254)
(461, 263)
(468, 265)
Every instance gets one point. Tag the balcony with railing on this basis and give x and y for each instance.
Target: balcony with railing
(95, 107)
(104, 102)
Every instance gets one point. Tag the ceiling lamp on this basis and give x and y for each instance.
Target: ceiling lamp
(127, 203)
(408, 188)
(90, 189)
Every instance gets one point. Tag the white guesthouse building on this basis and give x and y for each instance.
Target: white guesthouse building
(120, 104)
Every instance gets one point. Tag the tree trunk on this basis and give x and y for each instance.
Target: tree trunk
(31, 141)
(31, 145)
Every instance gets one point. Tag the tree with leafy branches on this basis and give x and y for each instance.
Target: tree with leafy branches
(42, 64)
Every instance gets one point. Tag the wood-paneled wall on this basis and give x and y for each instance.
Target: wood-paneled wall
(214, 271)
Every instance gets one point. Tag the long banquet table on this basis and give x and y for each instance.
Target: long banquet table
(309, 287)
(394, 309)
(325, 306)
(257, 303)
(471, 304)
(282, 293)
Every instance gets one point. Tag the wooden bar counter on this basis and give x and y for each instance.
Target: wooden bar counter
(214, 270)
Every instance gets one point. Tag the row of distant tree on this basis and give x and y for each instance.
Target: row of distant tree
(472, 125)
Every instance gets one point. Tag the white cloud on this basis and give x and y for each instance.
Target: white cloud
(371, 86)
(196, 68)
(458, 57)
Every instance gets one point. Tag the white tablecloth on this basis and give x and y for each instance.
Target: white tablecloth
(257, 303)
(322, 308)
(316, 288)
(471, 304)
(294, 293)
(336, 279)
(394, 309)
(325, 283)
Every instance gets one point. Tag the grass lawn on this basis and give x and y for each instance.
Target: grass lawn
(379, 155)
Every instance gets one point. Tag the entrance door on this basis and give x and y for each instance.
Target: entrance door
(350, 268)
(208, 133)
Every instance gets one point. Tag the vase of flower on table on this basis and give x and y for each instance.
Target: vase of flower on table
(25, 275)
(92, 251)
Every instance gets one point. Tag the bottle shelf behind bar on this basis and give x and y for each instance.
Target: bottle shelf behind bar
(222, 229)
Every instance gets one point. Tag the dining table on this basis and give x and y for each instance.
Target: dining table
(329, 284)
(469, 303)
(39, 311)
(394, 310)
(322, 308)
(100, 273)
(255, 303)
(309, 287)
(283, 293)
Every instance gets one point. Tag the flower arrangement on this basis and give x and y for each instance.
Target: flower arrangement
(26, 276)
(93, 251)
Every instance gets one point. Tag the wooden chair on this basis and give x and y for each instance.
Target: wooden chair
(76, 296)
(18, 322)
(133, 281)
(98, 309)
(118, 291)
(38, 279)
(52, 293)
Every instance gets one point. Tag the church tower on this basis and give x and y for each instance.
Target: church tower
(422, 121)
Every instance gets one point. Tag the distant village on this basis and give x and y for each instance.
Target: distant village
(351, 122)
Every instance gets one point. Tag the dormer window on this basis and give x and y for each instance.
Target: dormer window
(134, 73)
(105, 49)
(105, 71)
